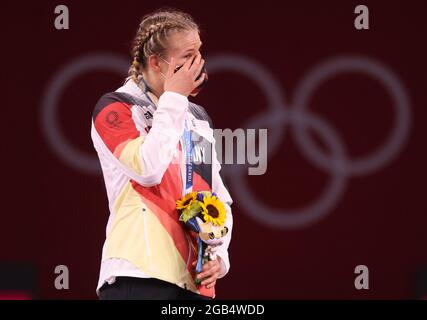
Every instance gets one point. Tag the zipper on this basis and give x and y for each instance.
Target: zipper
(146, 238)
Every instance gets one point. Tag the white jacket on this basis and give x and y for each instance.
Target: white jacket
(139, 144)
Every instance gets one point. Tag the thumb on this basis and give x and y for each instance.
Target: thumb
(171, 68)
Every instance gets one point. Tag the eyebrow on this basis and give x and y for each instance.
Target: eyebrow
(192, 49)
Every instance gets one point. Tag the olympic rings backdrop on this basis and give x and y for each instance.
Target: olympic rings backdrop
(344, 110)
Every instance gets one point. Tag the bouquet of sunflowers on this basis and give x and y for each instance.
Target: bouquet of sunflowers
(203, 213)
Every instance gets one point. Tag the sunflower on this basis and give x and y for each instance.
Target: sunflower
(213, 210)
(186, 200)
(193, 209)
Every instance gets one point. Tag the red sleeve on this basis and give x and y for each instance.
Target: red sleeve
(113, 122)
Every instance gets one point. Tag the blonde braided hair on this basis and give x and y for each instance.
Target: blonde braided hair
(151, 36)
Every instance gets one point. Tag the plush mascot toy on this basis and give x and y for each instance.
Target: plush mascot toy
(205, 214)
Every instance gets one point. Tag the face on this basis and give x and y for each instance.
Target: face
(183, 45)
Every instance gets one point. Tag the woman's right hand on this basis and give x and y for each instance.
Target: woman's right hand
(184, 80)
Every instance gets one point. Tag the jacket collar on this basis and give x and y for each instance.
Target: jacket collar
(141, 90)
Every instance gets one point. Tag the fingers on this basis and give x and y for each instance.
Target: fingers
(200, 81)
(209, 268)
(183, 81)
(196, 63)
(171, 68)
(199, 69)
(189, 63)
(209, 276)
(210, 282)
